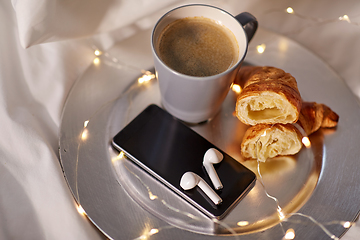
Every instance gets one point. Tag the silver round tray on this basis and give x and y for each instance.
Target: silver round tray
(126, 203)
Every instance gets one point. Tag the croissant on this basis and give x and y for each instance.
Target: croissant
(269, 95)
(315, 115)
(264, 141)
(245, 73)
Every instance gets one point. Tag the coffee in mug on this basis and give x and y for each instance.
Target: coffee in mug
(197, 50)
(197, 46)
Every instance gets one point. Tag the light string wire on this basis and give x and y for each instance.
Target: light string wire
(114, 62)
(147, 76)
(285, 217)
(313, 20)
(152, 196)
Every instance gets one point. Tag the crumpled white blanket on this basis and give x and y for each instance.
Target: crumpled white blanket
(46, 45)
(42, 21)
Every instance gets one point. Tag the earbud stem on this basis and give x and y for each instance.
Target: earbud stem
(209, 192)
(213, 176)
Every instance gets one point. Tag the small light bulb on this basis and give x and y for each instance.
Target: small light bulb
(147, 76)
(261, 48)
(306, 142)
(242, 223)
(347, 224)
(96, 61)
(97, 52)
(281, 214)
(345, 18)
(80, 210)
(86, 123)
(290, 10)
(236, 88)
(290, 234)
(152, 196)
(120, 156)
(153, 231)
(84, 134)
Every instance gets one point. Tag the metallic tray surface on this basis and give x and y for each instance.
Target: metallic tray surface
(124, 202)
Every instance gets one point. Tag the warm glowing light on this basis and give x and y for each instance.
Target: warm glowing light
(242, 223)
(306, 142)
(152, 196)
(345, 18)
(146, 235)
(290, 10)
(347, 224)
(86, 123)
(147, 76)
(84, 134)
(236, 88)
(261, 48)
(120, 156)
(290, 234)
(153, 231)
(97, 52)
(80, 210)
(281, 214)
(96, 61)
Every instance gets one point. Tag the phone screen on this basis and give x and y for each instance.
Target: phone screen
(167, 148)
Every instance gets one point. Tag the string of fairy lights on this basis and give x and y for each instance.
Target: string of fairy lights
(313, 21)
(148, 76)
(345, 17)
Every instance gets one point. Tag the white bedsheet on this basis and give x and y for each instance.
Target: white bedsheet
(40, 60)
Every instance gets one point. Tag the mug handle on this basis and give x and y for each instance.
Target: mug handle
(249, 23)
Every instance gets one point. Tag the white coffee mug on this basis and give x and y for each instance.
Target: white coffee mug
(197, 99)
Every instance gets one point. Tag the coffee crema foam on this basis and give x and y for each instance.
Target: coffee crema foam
(197, 46)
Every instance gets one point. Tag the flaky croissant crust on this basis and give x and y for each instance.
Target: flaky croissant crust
(270, 101)
(264, 141)
(269, 95)
(315, 115)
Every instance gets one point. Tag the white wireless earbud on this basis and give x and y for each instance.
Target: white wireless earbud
(213, 156)
(190, 180)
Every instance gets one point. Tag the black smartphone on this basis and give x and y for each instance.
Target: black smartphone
(167, 148)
